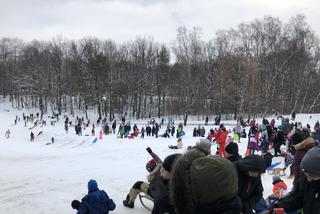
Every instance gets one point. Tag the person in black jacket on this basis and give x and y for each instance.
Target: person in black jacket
(160, 189)
(231, 152)
(95, 202)
(250, 185)
(306, 194)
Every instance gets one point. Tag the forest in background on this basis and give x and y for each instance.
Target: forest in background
(264, 66)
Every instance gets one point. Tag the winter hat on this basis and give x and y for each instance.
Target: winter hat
(204, 145)
(296, 138)
(75, 204)
(199, 181)
(169, 161)
(276, 179)
(151, 164)
(92, 186)
(310, 162)
(254, 163)
(232, 148)
(213, 174)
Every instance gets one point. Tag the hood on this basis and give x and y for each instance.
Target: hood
(304, 144)
(253, 163)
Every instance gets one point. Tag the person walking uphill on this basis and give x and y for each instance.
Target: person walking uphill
(95, 202)
(250, 185)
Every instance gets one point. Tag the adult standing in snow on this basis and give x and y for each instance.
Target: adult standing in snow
(221, 137)
(114, 126)
(301, 149)
(31, 136)
(95, 202)
(206, 121)
(293, 115)
(250, 184)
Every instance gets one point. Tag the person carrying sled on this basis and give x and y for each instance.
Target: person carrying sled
(96, 201)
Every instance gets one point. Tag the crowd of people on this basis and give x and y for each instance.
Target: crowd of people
(199, 182)
(226, 182)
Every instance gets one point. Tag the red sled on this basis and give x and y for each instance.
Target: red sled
(130, 137)
(278, 211)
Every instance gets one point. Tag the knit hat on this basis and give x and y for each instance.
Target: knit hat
(253, 163)
(232, 148)
(92, 186)
(296, 138)
(75, 204)
(310, 162)
(169, 161)
(204, 145)
(151, 164)
(276, 179)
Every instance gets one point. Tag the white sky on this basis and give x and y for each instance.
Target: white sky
(123, 20)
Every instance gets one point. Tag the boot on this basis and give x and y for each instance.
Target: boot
(127, 203)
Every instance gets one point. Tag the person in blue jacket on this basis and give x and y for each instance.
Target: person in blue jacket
(95, 202)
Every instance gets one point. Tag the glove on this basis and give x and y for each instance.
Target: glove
(149, 150)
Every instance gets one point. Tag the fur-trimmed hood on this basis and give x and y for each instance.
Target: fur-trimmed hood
(304, 144)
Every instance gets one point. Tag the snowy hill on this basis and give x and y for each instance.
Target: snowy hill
(38, 178)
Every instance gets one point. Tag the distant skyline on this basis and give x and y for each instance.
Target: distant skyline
(124, 20)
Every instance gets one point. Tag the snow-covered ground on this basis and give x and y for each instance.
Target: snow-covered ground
(38, 178)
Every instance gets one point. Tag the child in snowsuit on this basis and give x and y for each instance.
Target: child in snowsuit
(279, 190)
(96, 201)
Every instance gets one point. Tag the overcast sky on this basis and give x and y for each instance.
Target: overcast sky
(123, 20)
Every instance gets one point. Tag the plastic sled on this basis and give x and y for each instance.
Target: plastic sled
(143, 199)
(95, 140)
(273, 166)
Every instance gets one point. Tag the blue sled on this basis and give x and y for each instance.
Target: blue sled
(273, 165)
(95, 140)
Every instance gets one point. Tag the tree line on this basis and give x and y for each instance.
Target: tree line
(263, 66)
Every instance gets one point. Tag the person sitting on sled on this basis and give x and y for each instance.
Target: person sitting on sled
(279, 190)
(179, 144)
(96, 201)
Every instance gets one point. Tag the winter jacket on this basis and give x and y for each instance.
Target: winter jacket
(204, 184)
(301, 150)
(161, 197)
(97, 202)
(250, 188)
(234, 158)
(221, 140)
(305, 195)
(279, 188)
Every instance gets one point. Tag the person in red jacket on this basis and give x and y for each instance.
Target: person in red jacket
(221, 139)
